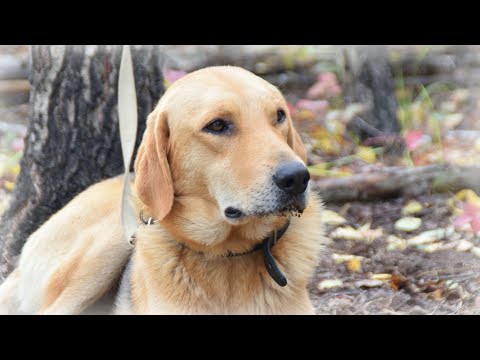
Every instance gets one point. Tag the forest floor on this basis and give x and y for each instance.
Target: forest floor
(401, 255)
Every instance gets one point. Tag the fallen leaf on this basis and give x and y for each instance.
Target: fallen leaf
(330, 217)
(341, 258)
(354, 265)
(346, 233)
(369, 283)
(381, 277)
(291, 109)
(370, 234)
(171, 76)
(475, 251)
(364, 233)
(427, 237)
(15, 170)
(464, 246)
(316, 106)
(304, 115)
(325, 86)
(451, 121)
(17, 145)
(329, 284)
(398, 281)
(437, 294)
(430, 248)
(415, 139)
(468, 196)
(367, 154)
(408, 224)
(8, 185)
(412, 208)
(395, 243)
(470, 215)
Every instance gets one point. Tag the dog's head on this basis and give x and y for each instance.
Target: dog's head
(224, 137)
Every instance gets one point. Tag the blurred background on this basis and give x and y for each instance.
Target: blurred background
(392, 134)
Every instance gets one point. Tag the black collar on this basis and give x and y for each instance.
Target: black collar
(266, 245)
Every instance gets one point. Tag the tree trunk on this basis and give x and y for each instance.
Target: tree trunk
(369, 81)
(73, 136)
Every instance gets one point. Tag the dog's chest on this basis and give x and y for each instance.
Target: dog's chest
(241, 287)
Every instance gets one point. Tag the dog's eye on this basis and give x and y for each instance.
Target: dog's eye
(281, 116)
(217, 126)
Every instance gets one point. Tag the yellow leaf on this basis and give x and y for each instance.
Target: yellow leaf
(318, 170)
(15, 170)
(329, 284)
(412, 208)
(325, 144)
(330, 217)
(354, 265)
(408, 224)
(468, 195)
(367, 154)
(346, 233)
(304, 114)
(321, 170)
(8, 185)
(437, 294)
(382, 277)
(341, 258)
(370, 234)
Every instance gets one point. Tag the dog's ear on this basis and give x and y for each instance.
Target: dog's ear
(296, 143)
(153, 179)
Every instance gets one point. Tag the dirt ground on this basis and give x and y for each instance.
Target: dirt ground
(441, 282)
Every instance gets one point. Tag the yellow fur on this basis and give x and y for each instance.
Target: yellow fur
(185, 178)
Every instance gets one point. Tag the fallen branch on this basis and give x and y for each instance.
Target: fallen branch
(399, 181)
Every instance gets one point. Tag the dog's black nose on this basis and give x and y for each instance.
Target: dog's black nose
(292, 177)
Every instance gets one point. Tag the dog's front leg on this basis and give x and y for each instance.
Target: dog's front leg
(9, 304)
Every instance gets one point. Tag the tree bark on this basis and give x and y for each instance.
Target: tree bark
(369, 81)
(73, 136)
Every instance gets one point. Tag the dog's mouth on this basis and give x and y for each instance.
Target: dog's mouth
(233, 213)
(294, 208)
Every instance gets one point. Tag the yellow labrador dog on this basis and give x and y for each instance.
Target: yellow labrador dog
(227, 224)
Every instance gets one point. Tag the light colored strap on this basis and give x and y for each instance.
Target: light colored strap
(127, 116)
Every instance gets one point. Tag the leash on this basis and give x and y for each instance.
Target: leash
(127, 118)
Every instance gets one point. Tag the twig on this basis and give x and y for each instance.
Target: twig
(438, 306)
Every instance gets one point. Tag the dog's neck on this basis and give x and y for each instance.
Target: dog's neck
(197, 225)
(187, 281)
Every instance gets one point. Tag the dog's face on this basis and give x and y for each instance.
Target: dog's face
(224, 137)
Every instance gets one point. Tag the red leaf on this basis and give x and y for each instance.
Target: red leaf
(475, 224)
(413, 139)
(316, 106)
(173, 75)
(17, 145)
(325, 86)
(462, 220)
(470, 209)
(291, 109)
